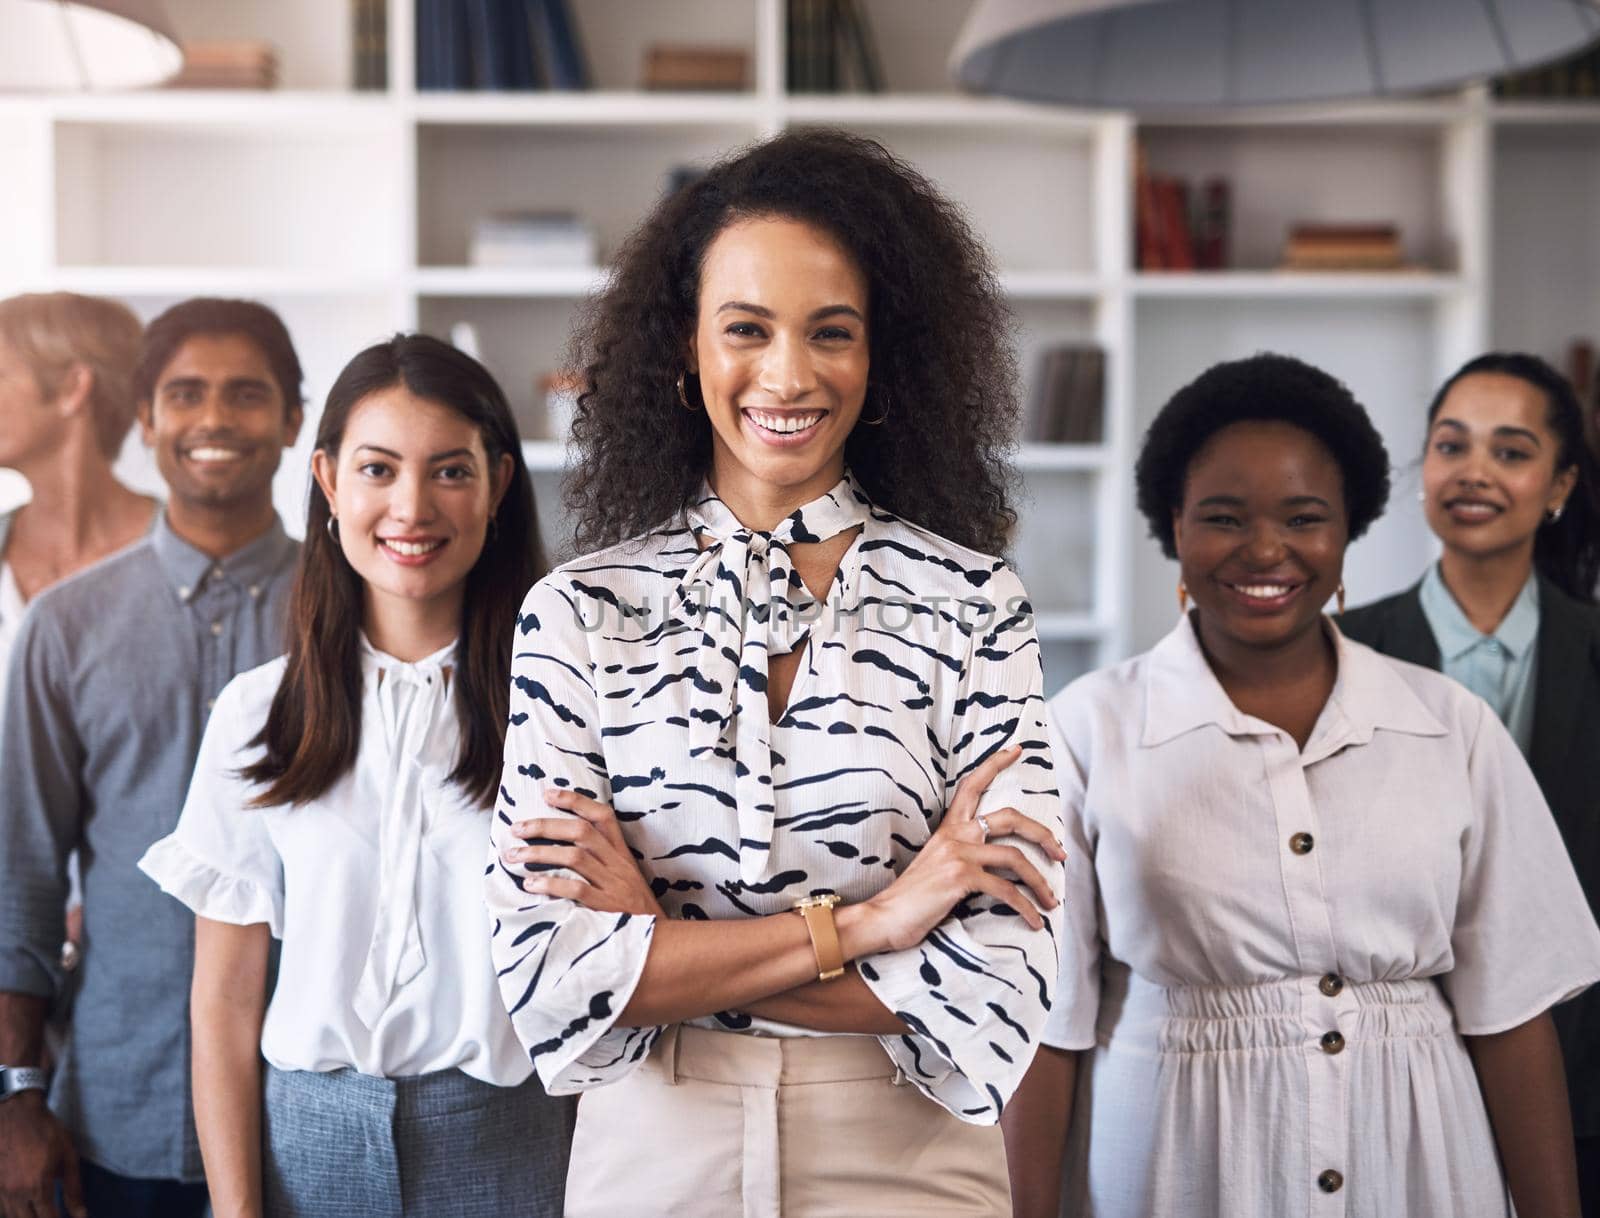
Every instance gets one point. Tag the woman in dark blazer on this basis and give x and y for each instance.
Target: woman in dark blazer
(1513, 494)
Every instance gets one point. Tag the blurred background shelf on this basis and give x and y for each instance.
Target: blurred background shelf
(353, 213)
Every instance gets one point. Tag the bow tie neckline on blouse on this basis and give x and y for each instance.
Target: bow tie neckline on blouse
(413, 702)
(751, 605)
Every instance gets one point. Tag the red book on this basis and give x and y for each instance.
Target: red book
(1177, 241)
(1147, 217)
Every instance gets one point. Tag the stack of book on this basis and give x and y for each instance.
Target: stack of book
(831, 48)
(1575, 76)
(511, 45)
(227, 65)
(1176, 232)
(369, 44)
(1343, 247)
(1068, 402)
(695, 67)
(547, 239)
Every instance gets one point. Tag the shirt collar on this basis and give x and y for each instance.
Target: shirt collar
(187, 567)
(1182, 693)
(1457, 635)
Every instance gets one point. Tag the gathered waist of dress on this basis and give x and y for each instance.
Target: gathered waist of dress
(1291, 1014)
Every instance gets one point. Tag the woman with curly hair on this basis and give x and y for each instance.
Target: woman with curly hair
(1332, 909)
(1513, 494)
(777, 877)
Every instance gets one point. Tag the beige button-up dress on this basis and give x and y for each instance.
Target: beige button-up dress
(1273, 954)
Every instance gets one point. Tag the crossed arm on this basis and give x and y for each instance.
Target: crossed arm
(765, 966)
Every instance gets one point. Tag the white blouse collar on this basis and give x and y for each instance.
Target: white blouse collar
(1182, 693)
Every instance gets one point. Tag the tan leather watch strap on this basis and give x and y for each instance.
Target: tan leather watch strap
(824, 937)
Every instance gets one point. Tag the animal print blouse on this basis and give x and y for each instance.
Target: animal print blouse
(639, 679)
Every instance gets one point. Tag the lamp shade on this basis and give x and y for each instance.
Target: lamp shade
(1142, 54)
(85, 44)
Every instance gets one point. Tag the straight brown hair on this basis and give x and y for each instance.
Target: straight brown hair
(313, 730)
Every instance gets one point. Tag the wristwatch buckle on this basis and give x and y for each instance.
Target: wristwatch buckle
(16, 1079)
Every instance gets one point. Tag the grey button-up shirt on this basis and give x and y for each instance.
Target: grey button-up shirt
(111, 678)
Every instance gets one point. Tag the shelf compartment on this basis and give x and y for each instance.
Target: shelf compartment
(1055, 543)
(611, 176)
(1306, 173)
(987, 172)
(296, 200)
(521, 341)
(312, 38)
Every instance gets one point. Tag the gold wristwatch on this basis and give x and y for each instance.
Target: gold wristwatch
(818, 913)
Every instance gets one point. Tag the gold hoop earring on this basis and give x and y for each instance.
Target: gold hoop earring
(1183, 598)
(1339, 593)
(683, 393)
(882, 414)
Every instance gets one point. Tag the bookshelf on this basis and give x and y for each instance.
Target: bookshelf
(350, 213)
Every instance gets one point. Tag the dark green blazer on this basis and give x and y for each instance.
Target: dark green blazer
(1564, 757)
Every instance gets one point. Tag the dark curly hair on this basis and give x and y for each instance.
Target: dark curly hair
(1566, 551)
(1262, 388)
(942, 362)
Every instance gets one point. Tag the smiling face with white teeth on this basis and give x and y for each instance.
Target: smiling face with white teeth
(413, 491)
(1489, 476)
(1261, 534)
(781, 355)
(218, 424)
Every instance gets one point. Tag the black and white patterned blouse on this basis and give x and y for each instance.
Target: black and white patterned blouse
(639, 679)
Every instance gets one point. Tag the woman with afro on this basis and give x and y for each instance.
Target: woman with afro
(1330, 909)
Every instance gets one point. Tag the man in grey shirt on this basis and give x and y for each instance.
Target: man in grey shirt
(112, 676)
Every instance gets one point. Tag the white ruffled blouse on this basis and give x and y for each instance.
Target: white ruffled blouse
(385, 965)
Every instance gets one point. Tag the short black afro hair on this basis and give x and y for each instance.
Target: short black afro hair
(1263, 388)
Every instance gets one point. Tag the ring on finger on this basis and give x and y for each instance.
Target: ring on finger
(983, 824)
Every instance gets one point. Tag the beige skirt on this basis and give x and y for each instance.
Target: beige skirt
(723, 1125)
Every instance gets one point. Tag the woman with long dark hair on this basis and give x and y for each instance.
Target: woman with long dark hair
(340, 798)
(1330, 911)
(790, 882)
(1513, 494)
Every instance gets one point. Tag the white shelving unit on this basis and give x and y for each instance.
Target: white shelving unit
(350, 214)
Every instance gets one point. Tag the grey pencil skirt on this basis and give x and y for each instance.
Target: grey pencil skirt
(355, 1146)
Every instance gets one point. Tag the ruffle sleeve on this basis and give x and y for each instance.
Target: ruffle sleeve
(566, 972)
(221, 861)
